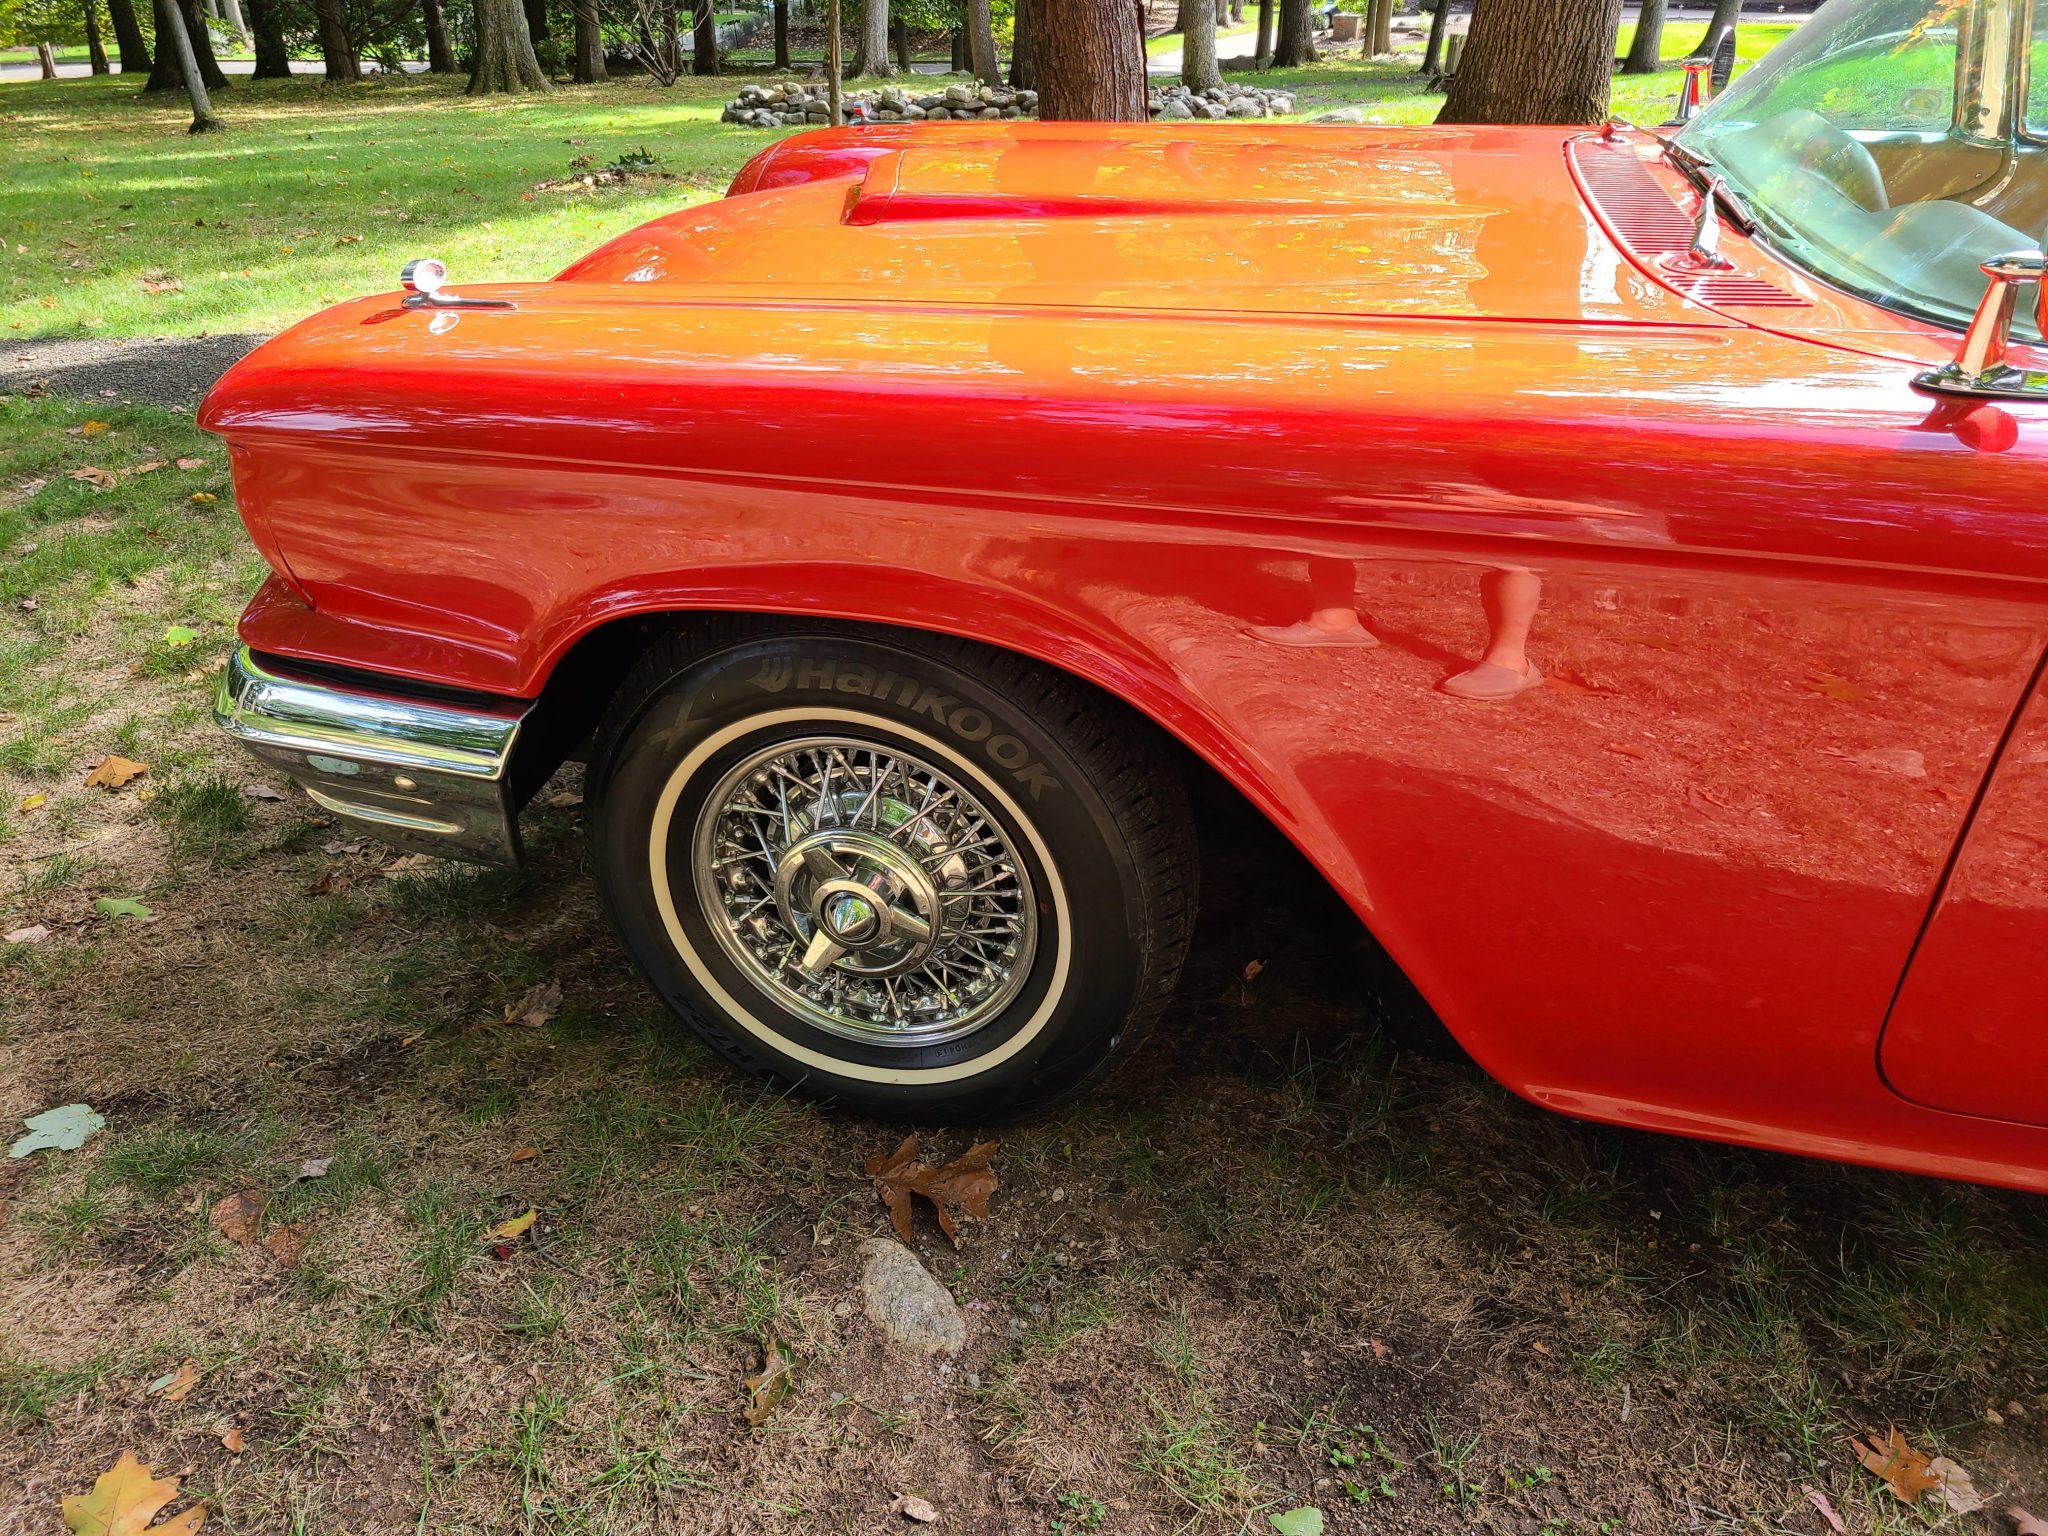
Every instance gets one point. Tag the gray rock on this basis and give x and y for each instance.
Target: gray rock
(1280, 101)
(1176, 110)
(937, 113)
(958, 95)
(1341, 115)
(913, 112)
(1028, 99)
(1244, 106)
(906, 1303)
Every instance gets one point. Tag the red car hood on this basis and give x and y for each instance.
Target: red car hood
(1481, 223)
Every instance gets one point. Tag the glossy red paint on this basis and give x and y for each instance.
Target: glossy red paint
(1789, 607)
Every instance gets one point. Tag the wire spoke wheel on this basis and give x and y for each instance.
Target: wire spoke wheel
(865, 890)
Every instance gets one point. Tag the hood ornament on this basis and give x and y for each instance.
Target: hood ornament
(425, 279)
(1981, 368)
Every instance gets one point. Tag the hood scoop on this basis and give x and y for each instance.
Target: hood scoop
(1065, 181)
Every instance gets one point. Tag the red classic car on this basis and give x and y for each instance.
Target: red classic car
(1618, 559)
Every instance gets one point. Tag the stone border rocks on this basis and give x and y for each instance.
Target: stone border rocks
(797, 104)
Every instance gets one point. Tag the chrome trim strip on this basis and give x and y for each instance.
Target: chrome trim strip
(425, 776)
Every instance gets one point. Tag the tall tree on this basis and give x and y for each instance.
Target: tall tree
(232, 9)
(871, 47)
(336, 47)
(833, 43)
(1023, 75)
(1535, 61)
(899, 39)
(704, 46)
(173, 38)
(440, 57)
(1090, 61)
(273, 58)
(200, 40)
(1262, 46)
(1433, 50)
(782, 34)
(1647, 51)
(981, 43)
(1292, 47)
(962, 60)
(133, 49)
(95, 49)
(1381, 20)
(1727, 13)
(504, 64)
(536, 13)
(1197, 24)
(588, 66)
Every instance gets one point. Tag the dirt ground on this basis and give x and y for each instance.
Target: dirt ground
(1297, 1254)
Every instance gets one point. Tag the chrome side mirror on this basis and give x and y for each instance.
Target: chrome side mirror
(1980, 368)
(425, 280)
(1691, 91)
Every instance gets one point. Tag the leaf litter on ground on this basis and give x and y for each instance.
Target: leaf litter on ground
(1907, 1472)
(767, 1389)
(962, 1188)
(123, 1501)
(64, 1129)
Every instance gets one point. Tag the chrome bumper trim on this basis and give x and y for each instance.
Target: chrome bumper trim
(427, 777)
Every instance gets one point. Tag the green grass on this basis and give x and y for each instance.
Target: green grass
(1170, 42)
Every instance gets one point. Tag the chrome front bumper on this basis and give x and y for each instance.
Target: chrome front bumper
(428, 777)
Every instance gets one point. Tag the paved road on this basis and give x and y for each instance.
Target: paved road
(171, 371)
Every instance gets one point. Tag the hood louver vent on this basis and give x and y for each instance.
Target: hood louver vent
(1651, 227)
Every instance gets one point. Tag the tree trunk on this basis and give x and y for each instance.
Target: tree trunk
(1535, 61)
(133, 50)
(1292, 48)
(201, 43)
(1262, 51)
(1433, 50)
(1090, 60)
(1237, 13)
(899, 40)
(1197, 23)
(1382, 28)
(266, 24)
(704, 47)
(981, 43)
(440, 57)
(174, 40)
(588, 67)
(95, 49)
(1726, 14)
(959, 41)
(671, 49)
(46, 58)
(1647, 51)
(782, 34)
(504, 58)
(1022, 74)
(343, 67)
(233, 10)
(871, 47)
(536, 13)
(834, 112)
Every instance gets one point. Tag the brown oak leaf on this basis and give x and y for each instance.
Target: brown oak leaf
(285, 1244)
(961, 1188)
(766, 1390)
(114, 771)
(123, 1502)
(1905, 1471)
(238, 1217)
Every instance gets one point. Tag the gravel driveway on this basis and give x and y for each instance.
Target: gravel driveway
(174, 371)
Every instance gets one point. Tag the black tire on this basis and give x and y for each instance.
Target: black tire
(1086, 796)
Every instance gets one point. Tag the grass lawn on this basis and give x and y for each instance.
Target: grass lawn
(1281, 1261)
(317, 194)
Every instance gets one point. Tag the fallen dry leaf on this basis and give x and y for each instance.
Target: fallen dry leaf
(168, 285)
(511, 1231)
(1820, 1502)
(540, 1004)
(202, 497)
(123, 1502)
(178, 1385)
(1957, 1491)
(767, 1390)
(34, 933)
(238, 1217)
(962, 1187)
(34, 802)
(911, 1507)
(1905, 1471)
(94, 476)
(523, 1154)
(285, 1244)
(149, 468)
(2025, 1524)
(234, 1442)
(1830, 686)
(114, 771)
(191, 463)
(315, 1168)
(93, 428)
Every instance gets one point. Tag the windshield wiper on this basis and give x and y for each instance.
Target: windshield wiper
(1705, 178)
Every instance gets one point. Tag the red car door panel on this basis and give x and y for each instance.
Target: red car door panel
(1969, 1031)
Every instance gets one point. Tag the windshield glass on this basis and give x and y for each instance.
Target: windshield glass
(1892, 145)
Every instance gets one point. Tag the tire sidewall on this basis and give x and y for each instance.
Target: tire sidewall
(719, 706)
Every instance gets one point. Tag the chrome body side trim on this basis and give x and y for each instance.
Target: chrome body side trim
(425, 776)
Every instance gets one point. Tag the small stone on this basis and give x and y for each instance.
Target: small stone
(1175, 110)
(1244, 106)
(1028, 99)
(906, 1303)
(1341, 115)
(958, 95)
